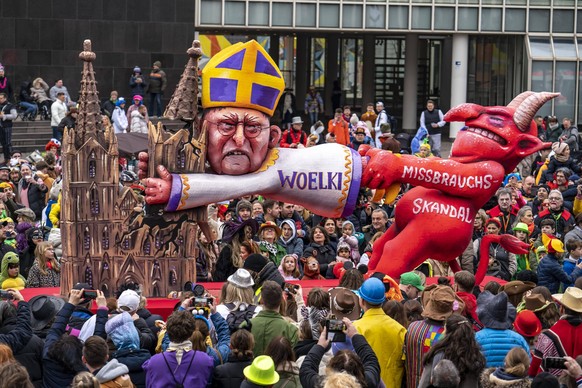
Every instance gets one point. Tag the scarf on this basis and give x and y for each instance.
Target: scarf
(180, 349)
(271, 248)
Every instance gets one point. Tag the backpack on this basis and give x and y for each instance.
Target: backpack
(238, 318)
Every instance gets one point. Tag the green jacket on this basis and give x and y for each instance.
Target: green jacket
(268, 325)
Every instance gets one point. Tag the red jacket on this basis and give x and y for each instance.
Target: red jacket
(290, 136)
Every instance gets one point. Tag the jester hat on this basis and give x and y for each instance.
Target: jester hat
(242, 76)
(552, 243)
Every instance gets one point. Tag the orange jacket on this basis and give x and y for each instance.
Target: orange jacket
(340, 130)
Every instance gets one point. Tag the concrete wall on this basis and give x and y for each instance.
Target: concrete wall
(44, 37)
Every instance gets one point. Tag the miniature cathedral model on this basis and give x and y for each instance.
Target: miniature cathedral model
(108, 240)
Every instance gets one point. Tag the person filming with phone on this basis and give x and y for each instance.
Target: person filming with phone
(563, 339)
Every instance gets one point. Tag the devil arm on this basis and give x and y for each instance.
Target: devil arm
(469, 180)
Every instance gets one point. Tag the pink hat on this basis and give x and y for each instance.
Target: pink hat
(138, 97)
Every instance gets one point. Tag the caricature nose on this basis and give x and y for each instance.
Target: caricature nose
(239, 134)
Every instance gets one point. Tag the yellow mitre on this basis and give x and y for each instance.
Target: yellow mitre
(242, 76)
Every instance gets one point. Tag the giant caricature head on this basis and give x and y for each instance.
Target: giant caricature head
(241, 86)
(505, 134)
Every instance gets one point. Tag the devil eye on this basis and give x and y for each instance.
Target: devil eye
(524, 144)
(496, 121)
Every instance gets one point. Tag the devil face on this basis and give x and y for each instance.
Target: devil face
(502, 134)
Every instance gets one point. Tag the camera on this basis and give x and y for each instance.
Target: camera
(201, 306)
(554, 363)
(290, 287)
(6, 295)
(90, 294)
(335, 330)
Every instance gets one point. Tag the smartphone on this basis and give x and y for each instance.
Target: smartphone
(6, 295)
(554, 363)
(90, 294)
(335, 330)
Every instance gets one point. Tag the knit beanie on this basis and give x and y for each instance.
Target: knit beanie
(243, 204)
(158, 63)
(137, 69)
(559, 148)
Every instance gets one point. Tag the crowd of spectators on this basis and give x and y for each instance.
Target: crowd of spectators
(370, 331)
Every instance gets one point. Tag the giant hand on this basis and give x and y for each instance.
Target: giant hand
(379, 171)
(157, 189)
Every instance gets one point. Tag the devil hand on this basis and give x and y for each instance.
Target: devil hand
(378, 170)
(158, 189)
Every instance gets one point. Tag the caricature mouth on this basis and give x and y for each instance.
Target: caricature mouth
(235, 153)
(488, 134)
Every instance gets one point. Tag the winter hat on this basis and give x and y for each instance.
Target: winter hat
(138, 98)
(527, 324)
(1, 67)
(121, 329)
(255, 262)
(559, 149)
(120, 101)
(243, 204)
(158, 63)
(493, 220)
(343, 245)
(137, 69)
(545, 380)
(495, 311)
(522, 227)
(354, 119)
(552, 244)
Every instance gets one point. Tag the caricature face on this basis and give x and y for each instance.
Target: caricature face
(238, 140)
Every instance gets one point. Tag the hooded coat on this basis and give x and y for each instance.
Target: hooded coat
(498, 377)
(114, 374)
(5, 280)
(293, 245)
(125, 337)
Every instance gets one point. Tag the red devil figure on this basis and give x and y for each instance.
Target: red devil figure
(435, 219)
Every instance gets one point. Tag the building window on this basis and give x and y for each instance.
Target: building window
(89, 276)
(92, 165)
(94, 201)
(86, 239)
(181, 156)
(147, 247)
(105, 238)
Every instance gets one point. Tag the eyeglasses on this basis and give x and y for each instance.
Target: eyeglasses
(555, 198)
(228, 129)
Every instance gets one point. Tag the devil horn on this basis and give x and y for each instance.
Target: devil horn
(518, 100)
(525, 112)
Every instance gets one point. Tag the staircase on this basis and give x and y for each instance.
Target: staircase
(28, 136)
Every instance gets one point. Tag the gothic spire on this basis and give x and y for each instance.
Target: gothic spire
(184, 102)
(89, 117)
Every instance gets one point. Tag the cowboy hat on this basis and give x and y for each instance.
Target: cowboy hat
(296, 120)
(344, 303)
(440, 302)
(270, 224)
(535, 302)
(571, 299)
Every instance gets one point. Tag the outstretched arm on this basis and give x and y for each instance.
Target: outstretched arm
(461, 180)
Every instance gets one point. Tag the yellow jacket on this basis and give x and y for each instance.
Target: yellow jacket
(577, 206)
(55, 214)
(386, 337)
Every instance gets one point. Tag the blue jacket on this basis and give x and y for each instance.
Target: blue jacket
(495, 344)
(551, 274)
(221, 350)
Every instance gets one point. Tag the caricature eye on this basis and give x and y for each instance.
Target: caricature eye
(524, 144)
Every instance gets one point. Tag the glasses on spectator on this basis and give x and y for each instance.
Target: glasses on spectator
(251, 130)
(555, 198)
